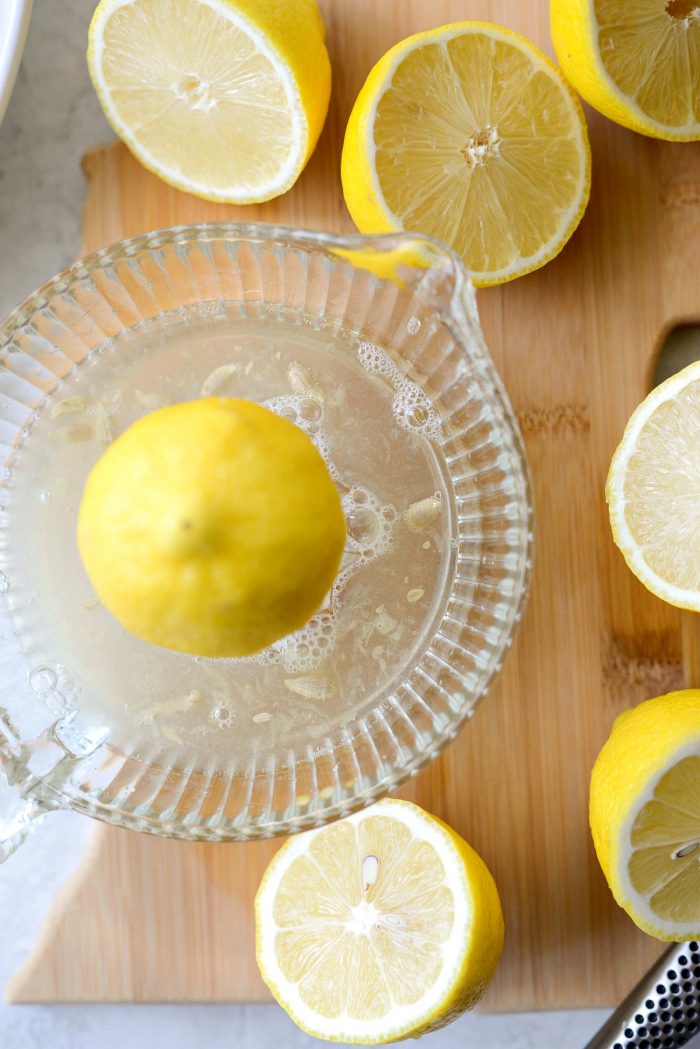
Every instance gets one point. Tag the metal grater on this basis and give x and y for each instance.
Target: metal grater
(663, 1010)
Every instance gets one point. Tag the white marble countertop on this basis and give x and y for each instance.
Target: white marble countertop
(52, 119)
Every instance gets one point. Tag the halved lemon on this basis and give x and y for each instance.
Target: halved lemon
(653, 490)
(470, 134)
(380, 927)
(222, 98)
(645, 814)
(636, 61)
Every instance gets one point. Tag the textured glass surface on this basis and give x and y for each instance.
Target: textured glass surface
(405, 294)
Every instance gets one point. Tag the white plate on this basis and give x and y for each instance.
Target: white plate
(14, 22)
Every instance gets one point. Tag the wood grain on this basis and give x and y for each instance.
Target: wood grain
(576, 342)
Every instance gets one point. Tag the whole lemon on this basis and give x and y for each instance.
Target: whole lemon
(211, 527)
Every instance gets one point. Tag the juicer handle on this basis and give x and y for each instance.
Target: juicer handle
(19, 812)
(18, 817)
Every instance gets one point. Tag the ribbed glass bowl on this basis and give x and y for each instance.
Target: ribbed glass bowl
(410, 297)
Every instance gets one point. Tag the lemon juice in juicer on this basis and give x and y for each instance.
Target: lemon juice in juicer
(375, 438)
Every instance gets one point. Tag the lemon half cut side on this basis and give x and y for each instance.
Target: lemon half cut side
(636, 61)
(469, 134)
(645, 814)
(653, 490)
(382, 926)
(221, 98)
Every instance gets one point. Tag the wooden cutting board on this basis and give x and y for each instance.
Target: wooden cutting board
(576, 343)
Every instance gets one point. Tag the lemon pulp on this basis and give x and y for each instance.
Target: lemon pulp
(653, 490)
(637, 61)
(382, 926)
(665, 838)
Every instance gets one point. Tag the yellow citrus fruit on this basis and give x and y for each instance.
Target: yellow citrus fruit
(383, 926)
(653, 490)
(397, 263)
(645, 814)
(222, 98)
(469, 134)
(211, 527)
(636, 61)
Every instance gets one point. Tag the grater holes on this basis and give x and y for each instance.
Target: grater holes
(670, 1015)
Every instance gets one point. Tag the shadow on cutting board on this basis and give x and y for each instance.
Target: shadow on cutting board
(681, 348)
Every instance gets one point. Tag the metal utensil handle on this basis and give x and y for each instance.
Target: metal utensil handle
(663, 1010)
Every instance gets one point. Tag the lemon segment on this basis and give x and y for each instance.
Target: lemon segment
(222, 98)
(211, 527)
(645, 814)
(636, 61)
(653, 490)
(382, 926)
(469, 134)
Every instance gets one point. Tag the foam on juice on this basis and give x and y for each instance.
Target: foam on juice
(412, 409)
